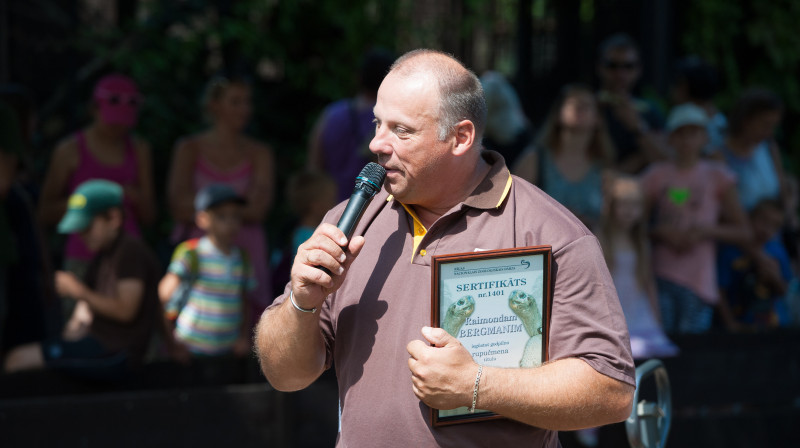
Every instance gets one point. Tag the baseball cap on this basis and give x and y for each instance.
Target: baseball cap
(117, 99)
(686, 115)
(216, 194)
(89, 199)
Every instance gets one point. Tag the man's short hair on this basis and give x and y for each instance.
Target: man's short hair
(460, 91)
(618, 41)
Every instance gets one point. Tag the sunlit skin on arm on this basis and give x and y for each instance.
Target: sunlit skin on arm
(566, 394)
(289, 343)
(123, 306)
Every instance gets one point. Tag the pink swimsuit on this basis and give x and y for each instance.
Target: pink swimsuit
(126, 173)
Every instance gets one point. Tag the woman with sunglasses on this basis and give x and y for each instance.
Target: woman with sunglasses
(224, 154)
(105, 149)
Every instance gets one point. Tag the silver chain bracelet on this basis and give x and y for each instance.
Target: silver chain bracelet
(475, 391)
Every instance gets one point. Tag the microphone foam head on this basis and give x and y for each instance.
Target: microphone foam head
(371, 177)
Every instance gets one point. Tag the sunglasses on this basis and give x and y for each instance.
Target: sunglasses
(614, 65)
(121, 99)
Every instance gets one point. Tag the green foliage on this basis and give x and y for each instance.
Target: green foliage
(300, 55)
(753, 43)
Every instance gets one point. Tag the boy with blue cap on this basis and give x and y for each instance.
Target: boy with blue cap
(119, 292)
(205, 289)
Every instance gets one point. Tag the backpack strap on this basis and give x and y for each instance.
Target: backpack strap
(181, 295)
(194, 259)
(188, 248)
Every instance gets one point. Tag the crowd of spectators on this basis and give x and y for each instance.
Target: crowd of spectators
(696, 215)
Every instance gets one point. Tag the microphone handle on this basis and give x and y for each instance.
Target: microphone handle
(358, 202)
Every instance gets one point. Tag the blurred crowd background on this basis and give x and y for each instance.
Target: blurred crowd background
(669, 127)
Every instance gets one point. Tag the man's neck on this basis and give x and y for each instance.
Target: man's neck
(430, 214)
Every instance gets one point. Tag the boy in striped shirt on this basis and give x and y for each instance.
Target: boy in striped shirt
(208, 279)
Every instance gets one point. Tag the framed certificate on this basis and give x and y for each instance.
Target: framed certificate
(497, 303)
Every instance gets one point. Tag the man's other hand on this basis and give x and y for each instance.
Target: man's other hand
(443, 376)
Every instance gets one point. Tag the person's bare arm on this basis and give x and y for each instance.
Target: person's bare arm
(53, 200)
(289, 343)
(167, 285)
(566, 394)
(262, 188)
(180, 185)
(143, 193)
(123, 306)
(733, 227)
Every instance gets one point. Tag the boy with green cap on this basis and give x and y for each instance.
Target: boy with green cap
(120, 290)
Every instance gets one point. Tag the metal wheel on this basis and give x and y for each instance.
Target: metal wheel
(648, 424)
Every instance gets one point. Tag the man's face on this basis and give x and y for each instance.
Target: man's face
(619, 69)
(102, 231)
(406, 138)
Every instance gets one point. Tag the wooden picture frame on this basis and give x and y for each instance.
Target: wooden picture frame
(497, 303)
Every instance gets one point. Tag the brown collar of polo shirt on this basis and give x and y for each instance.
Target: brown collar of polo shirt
(489, 194)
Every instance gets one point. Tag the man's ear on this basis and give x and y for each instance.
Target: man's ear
(464, 134)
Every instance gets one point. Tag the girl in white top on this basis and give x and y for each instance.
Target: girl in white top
(627, 252)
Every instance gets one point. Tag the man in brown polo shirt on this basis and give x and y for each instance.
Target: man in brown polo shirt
(444, 195)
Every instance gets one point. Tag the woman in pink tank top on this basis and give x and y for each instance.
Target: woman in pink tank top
(103, 150)
(224, 154)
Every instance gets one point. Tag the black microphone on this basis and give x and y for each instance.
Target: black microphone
(368, 182)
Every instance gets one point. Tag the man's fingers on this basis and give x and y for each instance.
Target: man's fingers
(356, 243)
(437, 336)
(322, 243)
(417, 392)
(332, 232)
(319, 257)
(311, 275)
(416, 348)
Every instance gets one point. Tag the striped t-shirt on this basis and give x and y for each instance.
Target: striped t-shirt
(211, 321)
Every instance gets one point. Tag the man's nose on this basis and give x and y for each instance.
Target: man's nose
(378, 143)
